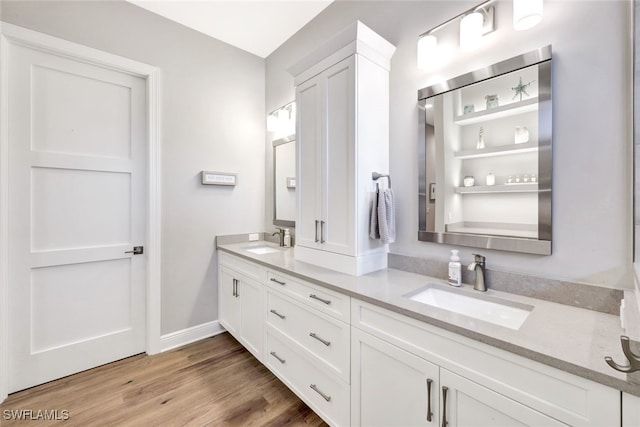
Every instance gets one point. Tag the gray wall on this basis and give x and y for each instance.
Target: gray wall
(212, 116)
(592, 199)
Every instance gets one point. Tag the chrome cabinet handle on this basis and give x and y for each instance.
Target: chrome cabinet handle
(429, 412)
(322, 232)
(314, 296)
(324, 396)
(317, 240)
(278, 314)
(281, 360)
(235, 288)
(325, 342)
(278, 281)
(444, 406)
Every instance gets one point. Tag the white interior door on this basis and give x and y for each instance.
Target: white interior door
(77, 141)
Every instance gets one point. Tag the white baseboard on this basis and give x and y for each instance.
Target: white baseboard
(189, 335)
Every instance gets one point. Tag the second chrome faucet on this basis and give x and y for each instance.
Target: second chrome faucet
(478, 265)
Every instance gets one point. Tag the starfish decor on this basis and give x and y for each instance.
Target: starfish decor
(521, 89)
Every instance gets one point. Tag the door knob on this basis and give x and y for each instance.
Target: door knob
(137, 250)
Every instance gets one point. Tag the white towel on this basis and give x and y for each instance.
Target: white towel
(386, 216)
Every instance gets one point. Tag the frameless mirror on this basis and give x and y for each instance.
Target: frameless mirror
(485, 157)
(284, 181)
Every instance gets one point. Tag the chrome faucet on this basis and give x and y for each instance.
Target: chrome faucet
(280, 232)
(478, 266)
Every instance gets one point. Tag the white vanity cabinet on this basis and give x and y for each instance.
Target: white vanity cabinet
(484, 386)
(241, 301)
(342, 100)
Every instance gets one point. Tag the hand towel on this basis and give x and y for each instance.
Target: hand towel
(386, 216)
(374, 232)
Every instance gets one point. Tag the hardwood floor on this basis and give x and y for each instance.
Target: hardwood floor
(214, 382)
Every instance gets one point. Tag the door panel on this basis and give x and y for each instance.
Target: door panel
(77, 146)
(391, 385)
(251, 312)
(79, 208)
(55, 309)
(338, 170)
(472, 405)
(90, 102)
(309, 98)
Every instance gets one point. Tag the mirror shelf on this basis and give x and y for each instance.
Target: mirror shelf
(501, 150)
(523, 187)
(500, 112)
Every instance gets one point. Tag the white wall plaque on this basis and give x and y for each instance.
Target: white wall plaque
(219, 178)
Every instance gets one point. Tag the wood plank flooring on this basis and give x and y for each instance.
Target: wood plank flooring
(214, 382)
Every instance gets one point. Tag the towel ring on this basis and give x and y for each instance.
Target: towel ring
(376, 176)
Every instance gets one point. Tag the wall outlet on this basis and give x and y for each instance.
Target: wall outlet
(254, 236)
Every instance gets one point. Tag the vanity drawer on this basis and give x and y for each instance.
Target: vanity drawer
(324, 300)
(326, 338)
(249, 269)
(326, 395)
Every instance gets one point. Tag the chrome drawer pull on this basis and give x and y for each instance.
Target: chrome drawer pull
(324, 396)
(273, 353)
(325, 342)
(316, 240)
(277, 281)
(322, 232)
(278, 314)
(429, 412)
(314, 296)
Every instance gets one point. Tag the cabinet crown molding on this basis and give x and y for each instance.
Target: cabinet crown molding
(356, 38)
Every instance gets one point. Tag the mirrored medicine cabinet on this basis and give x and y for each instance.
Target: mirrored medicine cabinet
(485, 157)
(284, 181)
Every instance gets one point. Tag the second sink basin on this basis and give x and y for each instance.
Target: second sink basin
(261, 250)
(483, 307)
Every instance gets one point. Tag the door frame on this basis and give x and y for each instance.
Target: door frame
(12, 34)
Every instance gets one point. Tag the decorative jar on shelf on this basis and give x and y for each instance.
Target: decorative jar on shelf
(491, 179)
(492, 101)
(521, 135)
(469, 181)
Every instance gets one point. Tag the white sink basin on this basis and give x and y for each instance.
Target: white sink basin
(483, 307)
(261, 250)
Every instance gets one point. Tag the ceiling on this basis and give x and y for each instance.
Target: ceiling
(257, 26)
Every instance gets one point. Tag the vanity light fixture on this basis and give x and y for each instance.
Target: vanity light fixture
(474, 24)
(282, 120)
(526, 13)
(427, 48)
(471, 31)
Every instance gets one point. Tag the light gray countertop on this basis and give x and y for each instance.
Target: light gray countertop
(572, 339)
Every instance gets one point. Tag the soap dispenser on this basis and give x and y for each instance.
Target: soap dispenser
(455, 269)
(287, 238)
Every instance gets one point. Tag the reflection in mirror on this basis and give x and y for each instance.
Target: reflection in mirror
(284, 181)
(485, 160)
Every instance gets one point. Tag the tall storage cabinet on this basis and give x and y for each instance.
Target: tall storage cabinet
(342, 98)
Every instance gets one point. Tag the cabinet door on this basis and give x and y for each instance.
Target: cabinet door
(228, 302)
(338, 231)
(389, 386)
(250, 295)
(309, 161)
(630, 410)
(468, 404)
